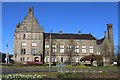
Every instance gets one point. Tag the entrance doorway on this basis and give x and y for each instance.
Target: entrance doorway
(61, 59)
(36, 59)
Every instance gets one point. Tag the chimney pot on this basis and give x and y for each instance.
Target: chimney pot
(60, 31)
(79, 32)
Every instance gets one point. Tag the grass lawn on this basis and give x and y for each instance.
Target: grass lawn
(112, 71)
(68, 67)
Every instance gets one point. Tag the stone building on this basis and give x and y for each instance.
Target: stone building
(28, 39)
(31, 43)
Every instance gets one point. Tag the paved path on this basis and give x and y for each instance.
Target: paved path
(23, 70)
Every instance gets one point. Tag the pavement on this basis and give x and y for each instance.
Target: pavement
(25, 69)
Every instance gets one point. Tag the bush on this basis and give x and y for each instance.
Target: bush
(54, 63)
(45, 64)
(99, 63)
(24, 77)
(18, 64)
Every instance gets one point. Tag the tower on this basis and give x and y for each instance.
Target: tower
(110, 32)
(28, 39)
(111, 44)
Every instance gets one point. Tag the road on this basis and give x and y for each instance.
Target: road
(25, 69)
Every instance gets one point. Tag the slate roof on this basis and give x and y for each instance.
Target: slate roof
(69, 36)
(99, 41)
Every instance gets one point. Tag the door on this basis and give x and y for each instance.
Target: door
(36, 59)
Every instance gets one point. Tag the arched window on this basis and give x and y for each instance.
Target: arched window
(77, 49)
(61, 48)
(91, 48)
(69, 47)
(84, 50)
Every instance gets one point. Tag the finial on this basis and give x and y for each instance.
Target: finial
(109, 25)
(60, 31)
(31, 11)
(7, 44)
(79, 32)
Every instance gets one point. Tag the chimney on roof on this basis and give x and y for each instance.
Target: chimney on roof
(31, 11)
(79, 32)
(60, 31)
(110, 32)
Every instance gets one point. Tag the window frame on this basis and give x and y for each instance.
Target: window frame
(23, 44)
(62, 48)
(84, 49)
(33, 51)
(34, 44)
(77, 50)
(54, 48)
(91, 49)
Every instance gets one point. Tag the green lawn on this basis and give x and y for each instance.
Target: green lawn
(88, 74)
(68, 66)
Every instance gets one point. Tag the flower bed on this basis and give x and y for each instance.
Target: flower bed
(24, 77)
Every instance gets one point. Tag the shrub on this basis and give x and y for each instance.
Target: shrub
(24, 77)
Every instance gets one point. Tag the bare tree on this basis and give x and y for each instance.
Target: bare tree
(117, 54)
(70, 51)
(107, 53)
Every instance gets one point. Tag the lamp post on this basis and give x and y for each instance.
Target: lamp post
(7, 53)
(50, 52)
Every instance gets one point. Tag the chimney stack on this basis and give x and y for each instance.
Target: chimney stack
(110, 32)
(79, 32)
(60, 31)
(31, 11)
